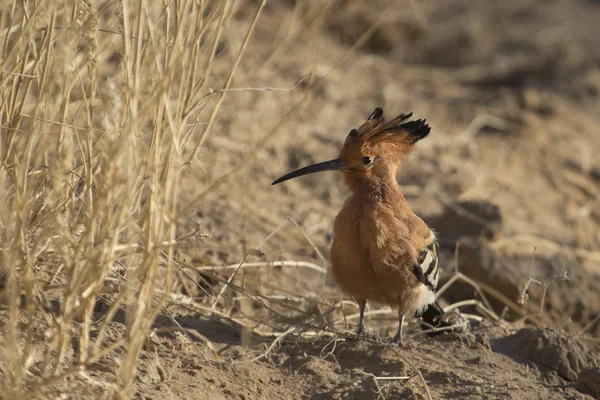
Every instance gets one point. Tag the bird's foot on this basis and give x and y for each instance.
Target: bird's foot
(396, 341)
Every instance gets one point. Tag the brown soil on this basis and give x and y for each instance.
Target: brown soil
(484, 363)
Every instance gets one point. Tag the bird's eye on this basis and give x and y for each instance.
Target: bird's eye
(367, 160)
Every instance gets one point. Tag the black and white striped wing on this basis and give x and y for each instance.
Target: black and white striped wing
(427, 268)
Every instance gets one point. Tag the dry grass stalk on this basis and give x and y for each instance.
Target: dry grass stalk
(91, 164)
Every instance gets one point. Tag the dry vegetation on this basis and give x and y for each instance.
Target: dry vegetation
(91, 165)
(144, 254)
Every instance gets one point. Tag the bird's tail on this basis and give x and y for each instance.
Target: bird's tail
(433, 317)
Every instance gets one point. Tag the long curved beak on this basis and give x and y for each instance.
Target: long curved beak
(331, 165)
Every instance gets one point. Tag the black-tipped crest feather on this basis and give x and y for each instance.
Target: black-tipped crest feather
(418, 129)
(377, 115)
(402, 117)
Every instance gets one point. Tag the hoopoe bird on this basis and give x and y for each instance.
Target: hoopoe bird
(382, 251)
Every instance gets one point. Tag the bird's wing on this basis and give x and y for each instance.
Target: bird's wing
(427, 267)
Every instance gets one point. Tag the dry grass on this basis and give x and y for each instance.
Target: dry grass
(101, 109)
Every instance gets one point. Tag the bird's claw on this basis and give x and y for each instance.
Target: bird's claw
(396, 341)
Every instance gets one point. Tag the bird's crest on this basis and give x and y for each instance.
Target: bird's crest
(375, 128)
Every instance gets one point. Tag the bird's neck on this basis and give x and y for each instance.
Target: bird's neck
(378, 188)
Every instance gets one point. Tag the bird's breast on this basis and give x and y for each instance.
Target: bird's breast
(368, 253)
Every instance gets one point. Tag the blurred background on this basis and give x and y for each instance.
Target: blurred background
(511, 92)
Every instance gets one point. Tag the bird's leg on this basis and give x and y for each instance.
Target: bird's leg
(398, 338)
(361, 321)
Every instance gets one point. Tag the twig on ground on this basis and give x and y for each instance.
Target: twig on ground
(277, 340)
(589, 325)
(420, 375)
(226, 285)
(472, 302)
(299, 264)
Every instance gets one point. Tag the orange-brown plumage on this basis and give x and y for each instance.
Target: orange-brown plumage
(381, 250)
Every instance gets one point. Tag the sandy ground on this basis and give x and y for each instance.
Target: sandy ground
(511, 91)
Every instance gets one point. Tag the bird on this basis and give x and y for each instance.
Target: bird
(381, 250)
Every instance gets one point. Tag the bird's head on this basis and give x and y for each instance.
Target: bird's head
(372, 152)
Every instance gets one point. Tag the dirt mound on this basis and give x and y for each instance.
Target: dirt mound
(550, 348)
